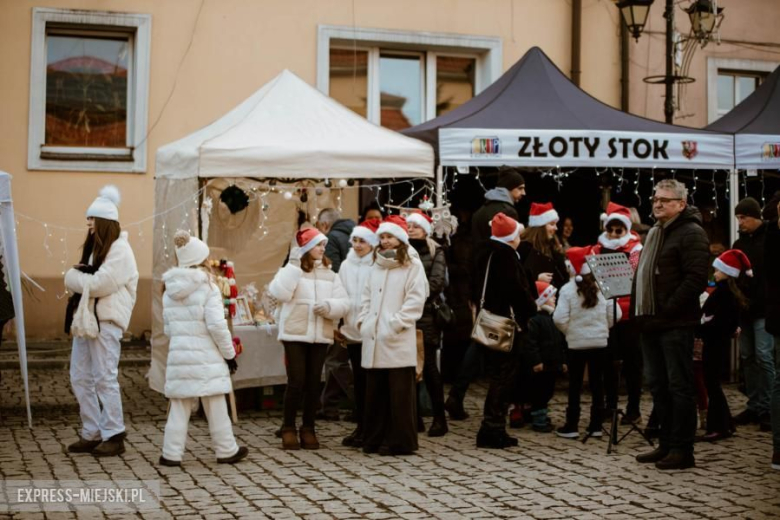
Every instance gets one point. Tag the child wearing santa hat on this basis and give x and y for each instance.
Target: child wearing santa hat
(313, 300)
(541, 251)
(201, 353)
(354, 274)
(719, 322)
(392, 301)
(543, 356)
(585, 317)
(103, 285)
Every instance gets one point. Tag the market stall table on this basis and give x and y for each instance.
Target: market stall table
(262, 361)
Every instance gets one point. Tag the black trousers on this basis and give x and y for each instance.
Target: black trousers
(391, 409)
(578, 359)
(501, 369)
(714, 355)
(304, 373)
(359, 375)
(431, 375)
(542, 388)
(624, 345)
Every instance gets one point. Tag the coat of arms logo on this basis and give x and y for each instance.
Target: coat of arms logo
(690, 149)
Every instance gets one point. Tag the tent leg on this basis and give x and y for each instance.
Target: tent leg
(733, 200)
(439, 186)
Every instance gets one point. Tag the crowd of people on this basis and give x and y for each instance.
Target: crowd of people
(370, 303)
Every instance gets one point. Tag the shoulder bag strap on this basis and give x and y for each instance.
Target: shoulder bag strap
(484, 284)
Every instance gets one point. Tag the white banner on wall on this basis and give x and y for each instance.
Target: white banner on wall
(586, 148)
(758, 152)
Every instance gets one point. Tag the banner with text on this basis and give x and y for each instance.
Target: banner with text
(568, 148)
(758, 152)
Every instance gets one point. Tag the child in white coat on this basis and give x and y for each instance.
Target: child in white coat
(312, 301)
(585, 317)
(354, 274)
(106, 279)
(201, 354)
(392, 302)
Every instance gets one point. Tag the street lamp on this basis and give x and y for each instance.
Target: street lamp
(634, 14)
(705, 17)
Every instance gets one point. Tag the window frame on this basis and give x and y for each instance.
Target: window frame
(734, 67)
(132, 157)
(485, 50)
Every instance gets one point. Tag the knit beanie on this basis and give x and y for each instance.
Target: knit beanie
(748, 207)
(509, 178)
(190, 251)
(106, 205)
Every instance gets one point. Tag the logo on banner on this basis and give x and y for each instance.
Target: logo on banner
(486, 147)
(770, 151)
(690, 149)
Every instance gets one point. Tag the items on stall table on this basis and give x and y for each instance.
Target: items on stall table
(226, 282)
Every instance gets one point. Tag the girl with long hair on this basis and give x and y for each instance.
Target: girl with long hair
(585, 317)
(106, 278)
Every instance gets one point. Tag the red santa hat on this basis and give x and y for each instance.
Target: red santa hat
(576, 257)
(421, 219)
(504, 229)
(396, 226)
(308, 238)
(617, 212)
(366, 230)
(732, 263)
(542, 214)
(546, 291)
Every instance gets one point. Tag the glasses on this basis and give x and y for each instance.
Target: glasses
(616, 231)
(663, 200)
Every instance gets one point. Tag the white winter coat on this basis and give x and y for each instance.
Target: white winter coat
(114, 284)
(194, 319)
(354, 273)
(583, 328)
(392, 302)
(298, 291)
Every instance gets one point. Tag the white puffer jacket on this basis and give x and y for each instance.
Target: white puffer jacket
(583, 328)
(392, 302)
(299, 292)
(354, 275)
(113, 284)
(194, 318)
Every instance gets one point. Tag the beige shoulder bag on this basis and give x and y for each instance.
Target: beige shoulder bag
(491, 330)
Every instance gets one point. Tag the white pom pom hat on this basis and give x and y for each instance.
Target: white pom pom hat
(106, 205)
(194, 252)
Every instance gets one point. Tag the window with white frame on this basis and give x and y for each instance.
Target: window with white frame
(400, 79)
(89, 90)
(730, 81)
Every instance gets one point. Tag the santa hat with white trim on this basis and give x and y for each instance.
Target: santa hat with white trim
(617, 212)
(421, 219)
(546, 291)
(366, 230)
(732, 263)
(576, 257)
(504, 229)
(542, 214)
(308, 238)
(396, 226)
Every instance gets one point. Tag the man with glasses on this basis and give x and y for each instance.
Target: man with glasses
(671, 275)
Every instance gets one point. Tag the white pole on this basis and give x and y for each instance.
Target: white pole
(733, 200)
(439, 186)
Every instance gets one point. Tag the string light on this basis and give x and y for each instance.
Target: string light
(636, 190)
(715, 193)
(763, 189)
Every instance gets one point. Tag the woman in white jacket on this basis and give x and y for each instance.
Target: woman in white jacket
(200, 354)
(392, 302)
(106, 278)
(585, 317)
(354, 274)
(312, 301)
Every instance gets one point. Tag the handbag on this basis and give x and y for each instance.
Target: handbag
(443, 315)
(491, 330)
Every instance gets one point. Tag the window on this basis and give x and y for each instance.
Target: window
(89, 91)
(730, 81)
(400, 79)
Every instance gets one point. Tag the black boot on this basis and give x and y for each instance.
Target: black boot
(438, 427)
(420, 425)
(455, 408)
(83, 446)
(676, 460)
(652, 456)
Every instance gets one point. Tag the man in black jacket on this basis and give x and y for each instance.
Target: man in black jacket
(671, 276)
(501, 199)
(756, 345)
(772, 260)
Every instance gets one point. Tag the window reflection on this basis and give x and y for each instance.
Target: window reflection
(349, 79)
(454, 82)
(401, 91)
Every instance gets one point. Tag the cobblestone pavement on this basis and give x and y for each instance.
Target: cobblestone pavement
(545, 477)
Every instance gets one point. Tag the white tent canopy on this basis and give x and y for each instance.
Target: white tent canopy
(12, 275)
(289, 129)
(285, 130)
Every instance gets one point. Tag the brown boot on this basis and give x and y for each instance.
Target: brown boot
(290, 438)
(112, 447)
(309, 438)
(83, 446)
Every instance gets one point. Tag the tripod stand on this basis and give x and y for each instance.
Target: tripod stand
(613, 431)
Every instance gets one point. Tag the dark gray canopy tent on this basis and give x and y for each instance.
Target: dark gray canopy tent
(534, 116)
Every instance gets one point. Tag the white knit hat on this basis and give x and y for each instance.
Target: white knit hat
(106, 205)
(189, 250)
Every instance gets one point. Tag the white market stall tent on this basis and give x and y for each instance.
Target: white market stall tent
(12, 276)
(286, 130)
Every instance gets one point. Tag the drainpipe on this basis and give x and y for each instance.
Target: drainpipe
(576, 40)
(624, 70)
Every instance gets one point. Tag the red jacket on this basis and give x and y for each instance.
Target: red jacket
(632, 248)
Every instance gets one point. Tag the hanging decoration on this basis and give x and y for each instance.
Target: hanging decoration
(205, 218)
(445, 224)
(425, 204)
(225, 279)
(234, 198)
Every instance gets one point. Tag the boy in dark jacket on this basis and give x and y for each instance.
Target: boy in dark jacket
(543, 356)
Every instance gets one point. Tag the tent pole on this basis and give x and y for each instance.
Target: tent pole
(439, 186)
(733, 200)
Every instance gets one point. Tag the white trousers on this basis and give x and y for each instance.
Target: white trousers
(220, 427)
(94, 369)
